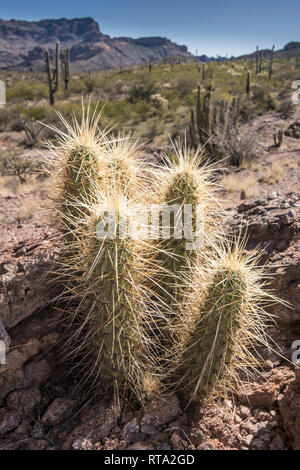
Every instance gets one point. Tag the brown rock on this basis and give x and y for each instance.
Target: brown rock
(82, 444)
(12, 375)
(24, 401)
(277, 443)
(176, 441)
(261, 395)
(4, 336)
(271, 221)
(159, 412)
(59, 409)
(36, 373)
(96, 421)
(23, 286)
(9, 420)
(289, 406)
(140, 446)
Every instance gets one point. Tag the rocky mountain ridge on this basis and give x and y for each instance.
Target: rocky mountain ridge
(22, 44)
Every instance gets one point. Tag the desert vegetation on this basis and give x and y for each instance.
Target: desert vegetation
(150, 315)
(139, 99)
(212, 105)
(164, 322)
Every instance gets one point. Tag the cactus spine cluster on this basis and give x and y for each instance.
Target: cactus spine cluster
(147, 316)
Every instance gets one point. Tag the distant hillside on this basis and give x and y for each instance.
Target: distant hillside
(22, 44)
(292, 49)
(205, 58)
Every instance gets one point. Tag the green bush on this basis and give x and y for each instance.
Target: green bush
(142, 88)
(19, 91)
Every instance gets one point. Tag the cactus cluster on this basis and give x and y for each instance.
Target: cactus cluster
(209, 115)
(53, 74)
(151, 315)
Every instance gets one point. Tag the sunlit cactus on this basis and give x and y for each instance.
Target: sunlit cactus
(112, 273)
(225, 323)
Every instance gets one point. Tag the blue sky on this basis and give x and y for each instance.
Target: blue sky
(211, 26)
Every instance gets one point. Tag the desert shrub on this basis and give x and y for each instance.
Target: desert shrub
(234, 142)
(26, 91)
(18, 166)
(90, 84)
(284, 92)
(184, 84)
(77, 85)
(286, 108)
(33, 130)
(262, 99)
(19, 91)
(142, 88)
(7, 117)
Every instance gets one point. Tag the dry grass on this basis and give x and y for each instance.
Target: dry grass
(11, 185)
(256, 167)
(272, 174)
(26, 212)
(291, 164)
(234, 183)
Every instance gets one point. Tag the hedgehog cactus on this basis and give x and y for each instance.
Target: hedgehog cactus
(114, 307)
(123, 165)
(76, 163)
(149, 315)
(184, 185)
(228, 321)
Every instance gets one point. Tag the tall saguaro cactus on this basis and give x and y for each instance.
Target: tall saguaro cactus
(53, 76)
(248, 84)
(65, 62)
(257, 60)
(271, 63)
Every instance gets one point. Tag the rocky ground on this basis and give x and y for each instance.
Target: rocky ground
(40, 407)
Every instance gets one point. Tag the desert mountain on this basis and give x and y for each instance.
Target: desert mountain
(22, 44)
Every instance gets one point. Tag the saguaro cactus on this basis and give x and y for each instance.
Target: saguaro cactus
(65, 62)
(53, 76)
(278, 138)
(248, 84)
(271, 62)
